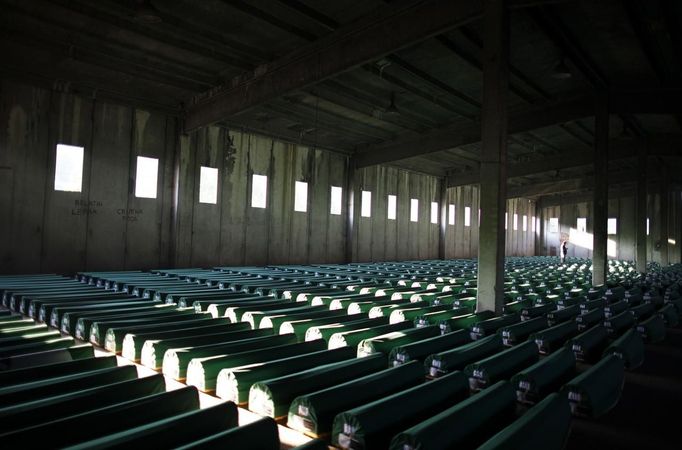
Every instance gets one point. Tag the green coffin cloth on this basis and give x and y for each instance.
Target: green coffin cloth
(549, 339)
(643, 311)
(618, 324)
(652, 329)
(409, 314)
(262, 434)
(26, 336)
(372, 426)
(544, 426)
(300, 327)
(315, 444)
(669, 315)
(314, 413)
(629, 347)
(434, 318)
(18, 393)
(35, 347)
(418, 351)
(615, 308)
(326, 331)
(501, 365)
(352, 338)
(234, 384)
(46, 409)
(235, 310)
(273, 397)
(95, 421)
(203, 372)
(255, 316)
(456, 359)
(593, 304)
(86, 322)
(133, 343)
(376, 307)
(99, 328)
(113, 338)
(589, 345)
(201, 303)
(386, 342)
(176, 359)
(517, 306)
(545, 376)
(47, 357)
(597, 390)
(562, 315)
(465, 425)
(490, 326)
(172, 432)
(275, 321)
(590, 319)
(45, 308)
(537, 311)
(69, 322)
(55, 370)
(513, 334)
(368, 300)
(58, 313)
(9, 326)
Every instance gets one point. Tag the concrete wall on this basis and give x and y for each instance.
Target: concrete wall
(622, 244)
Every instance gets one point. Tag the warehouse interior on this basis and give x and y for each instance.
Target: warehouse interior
(335, 148)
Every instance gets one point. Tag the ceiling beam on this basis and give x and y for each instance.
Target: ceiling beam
(567, 185)
(384, 31)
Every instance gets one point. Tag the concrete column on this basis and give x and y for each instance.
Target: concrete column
(350, 208)
(493, 194)
(664, 199)
(601, 189)
(640, 210)
(442, 226)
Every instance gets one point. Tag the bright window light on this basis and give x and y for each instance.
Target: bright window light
(335, 204)
(553, 224)
(68, 171)
(467, 216)
(434, 212)
(532, 224)
(451, 214)
(506, 220)
(479, 217)
(366, 208)
(392, 204)
(516, 222)
(581, 224)
(612, 225)
(259, 191)
(208, 185)
(537, 226)
(525, 222)
(647, 227)
(414, 210)
(146, 177)
(301, 196)
(672, 241)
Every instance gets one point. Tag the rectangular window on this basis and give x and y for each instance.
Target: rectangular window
(581, 224)
(434, 212)
(259, 191)
(301, 196)
(553, 225)
(68, 171)
(451, 214)
(392, 205)
(516, 222)
(611, 226)
(647, 227)
(479, 217)
(506, 220)
(366, 207)
(146, 177)
(208, 185)
(532, 224)
(537, 226)
(467, 216)
(524, 220)
(414, 210)
(335, 204)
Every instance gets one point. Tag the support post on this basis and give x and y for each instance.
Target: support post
(350, 208)
(600, 204)
(494, 121)
(664, 200)
(640, 210)
(442, 225)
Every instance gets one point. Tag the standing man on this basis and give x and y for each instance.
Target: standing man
(564, 249)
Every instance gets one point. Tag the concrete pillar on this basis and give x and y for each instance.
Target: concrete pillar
(600, 202)
(442, 225)
(350, 208)
(664, 199)
(493, 194)
(640, 210)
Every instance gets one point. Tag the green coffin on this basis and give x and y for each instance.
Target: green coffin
(547, 375)
(203, 372)
(463, 322)
(418, 351)
(386, 342)
(669, 315)
(69, 320)
(434, 318)
(275, 321)
(597, 390)
(652, 329)
(57, 314)
(45, 371)
(62, 354)
(590, 319)
(629, 347)
(233, 384)
(562, 315)
(448, 361)
(99, 328)
(544, 426)
(273, 397)
(519, 332)
(314, 413)
(483, 414)
(618, 324)
(326, 331)
(352, 338)
(549, 339)
(501, 365)
(262, 434)
(589, 345)
(36, 347)
(372, 426)
(490, 326)
(300, 327)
